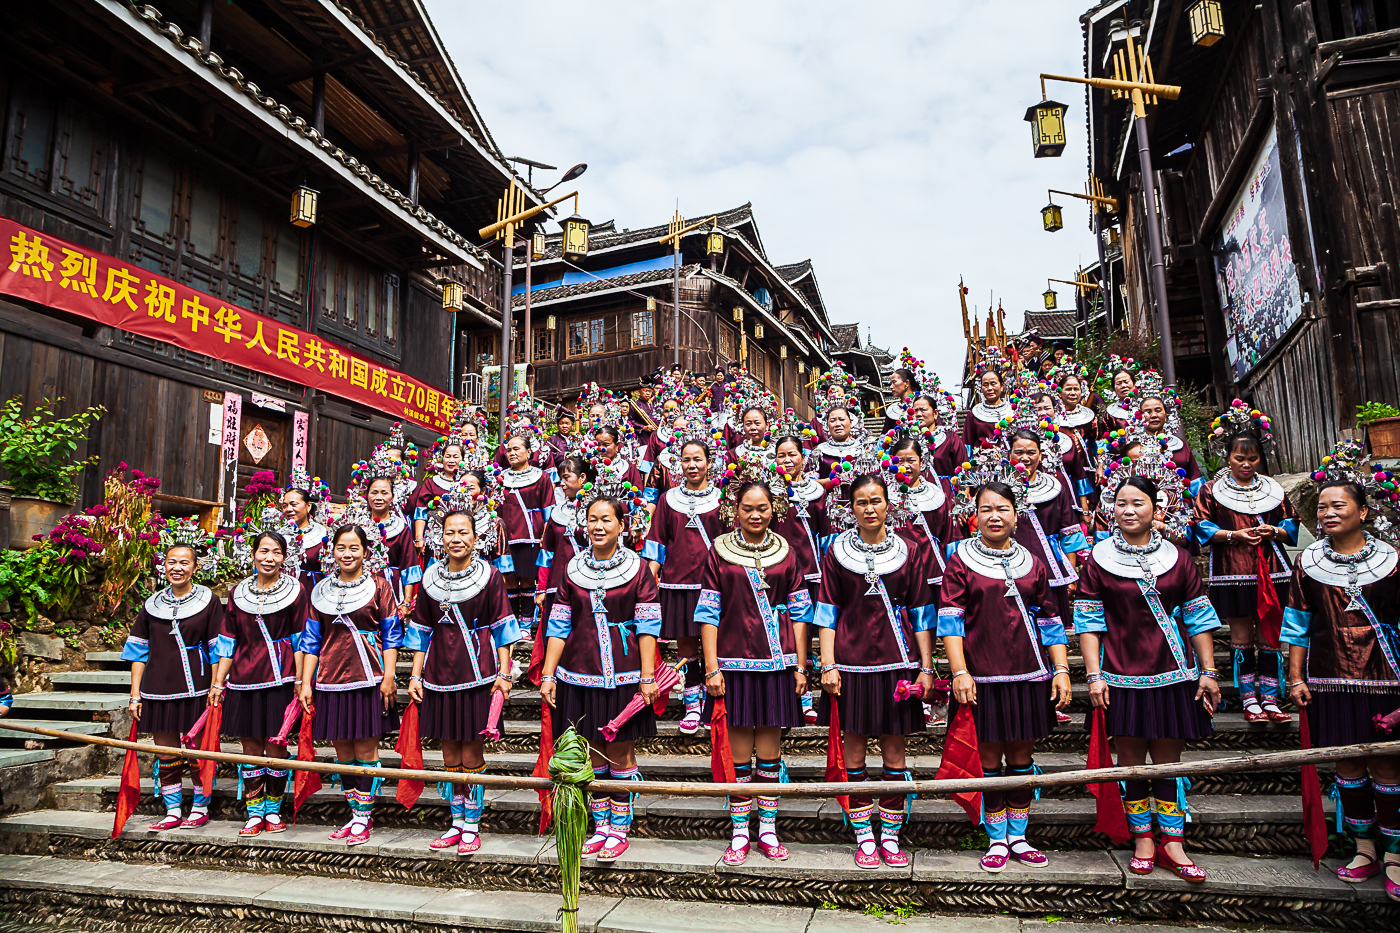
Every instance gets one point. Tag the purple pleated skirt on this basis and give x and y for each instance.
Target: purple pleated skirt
(678, 614)
(342, 715)
(867, 705)
(455, 715)
(1241, 601)
(524, 557)
(1170, 712)
(171, 715)
(589, 709)
(1346, 718)
(759, 700)
(1020, 711)
(256, 714)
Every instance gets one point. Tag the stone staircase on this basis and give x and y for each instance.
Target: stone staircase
(1246, 828)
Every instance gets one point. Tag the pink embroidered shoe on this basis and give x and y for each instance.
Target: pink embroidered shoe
(169, 821)
(690, 722)
(1142, 866)
(1275, 714)
(196, 820)
(996, 858)
(342, 832)
(1392, 887)
(253, 827)
(809, 715)
(1022, 852)
(869, 860)
(1362, 872)
(896, 859)
(733, 856)
(1186, 871)
(775, 851)
(469, 844)
(360, 838)
(448, 839)
(614, 849)
(592, 846)
(1253, 712)
(1062, 717)
(272, 823)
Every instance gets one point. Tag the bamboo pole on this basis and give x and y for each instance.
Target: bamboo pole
(1289, 759)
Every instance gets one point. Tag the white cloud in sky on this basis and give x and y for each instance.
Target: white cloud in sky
(882, 141)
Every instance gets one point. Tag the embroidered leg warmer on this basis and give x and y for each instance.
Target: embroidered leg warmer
(893, 808)
(1138, 807)
(770, 771)
(740, 809)
(1269, 674)
(1244, 673)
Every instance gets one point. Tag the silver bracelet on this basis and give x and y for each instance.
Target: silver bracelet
(957, 674)
(1061, 669)
(713, 673)
(1095, 678)
(646, 680)
(546, 677)
(931, 671)
(827, 667)
(1297, 683)
(413, 677)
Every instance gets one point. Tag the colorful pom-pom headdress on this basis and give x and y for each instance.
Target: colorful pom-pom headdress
(1349, 462)
(1240, 418)
(1153, 462)
(988, 464)
(740, 471)
(271, 519)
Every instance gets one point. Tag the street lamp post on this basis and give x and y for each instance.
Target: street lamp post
(678, 229)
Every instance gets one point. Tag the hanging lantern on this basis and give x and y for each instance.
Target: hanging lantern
(714, 243)
(1049, 297)
(304, 206)
(758, 331)
(575, 238)
(550, 322)
(1207, 23)
(801, 367)
(451, 296)
(651, 303)
(537, 245)
(1050, 213)
(782, 353)
(738, 315)
(1047, 120)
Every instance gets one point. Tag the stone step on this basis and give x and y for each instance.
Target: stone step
(1250, 824)
(57, 702)
(9, 738)
(395, 879)
(10, 757)
(91, 680)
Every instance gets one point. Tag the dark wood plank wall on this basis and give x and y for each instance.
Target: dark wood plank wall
(338, 446)
(426, 336)
(1294, 386)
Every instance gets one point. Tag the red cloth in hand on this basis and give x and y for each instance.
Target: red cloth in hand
(835, 757)
(721, 755)
(209, 742)
(1112, 821)
(305, 783)
(129, 791)
(961, 759)
(1269, 609)
(410, 749)
(542, 765)
(1314, 823)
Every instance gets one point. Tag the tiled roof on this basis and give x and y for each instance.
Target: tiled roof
(605, 235)
(1052, 325)
(637, 280)
(847, 336)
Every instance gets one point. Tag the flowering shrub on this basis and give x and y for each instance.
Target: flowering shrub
(262, 491)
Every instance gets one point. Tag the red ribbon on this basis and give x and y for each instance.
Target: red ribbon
(721, 755)
(835, 759)
(305, 783)
(410, 749)
(209, 742)
(129, 791)
(961, 759)
(542, 765)
(1314, 823)
(1112, 821)
(1269, 610)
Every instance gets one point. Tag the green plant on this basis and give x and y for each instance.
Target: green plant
(37, 451)
(874, 910)
(974, 841)
(69, 634)
(829, 905)
(1374, 411)
(23, 581)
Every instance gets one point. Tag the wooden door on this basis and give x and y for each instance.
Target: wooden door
(264, 444)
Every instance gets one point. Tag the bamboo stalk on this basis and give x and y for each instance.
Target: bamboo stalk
(1260, 762)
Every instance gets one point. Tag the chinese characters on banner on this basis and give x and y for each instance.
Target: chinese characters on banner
(1254, 272)
(301, 422)
(54, 272)
(232, 429)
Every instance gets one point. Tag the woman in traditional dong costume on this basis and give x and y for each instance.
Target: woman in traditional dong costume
(349, 646)
(807, 526)
(982, 418)
(460, 635)
(753, 613)
(1074, 464)
(1006, 647)
(256, 668)
(563, 538)
(301, 506)
(527, 495)
(375, 480)
(756, 443)
(1078, 419)
(876, 616)
(904, 385)
(929, 502)
(169, 649)
(1145, 630)
(446, 465)
(1344, 651)
(1122, 377)
(1246, 519)
(600, 654)
(929, 420)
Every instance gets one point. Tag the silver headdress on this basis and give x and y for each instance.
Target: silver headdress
(357, 512)
(988, 464)
(1154, 463)
(272, 520)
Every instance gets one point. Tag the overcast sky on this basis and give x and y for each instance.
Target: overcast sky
(884, 142)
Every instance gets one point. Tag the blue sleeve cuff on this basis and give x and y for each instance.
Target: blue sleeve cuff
(1296, 624)
(420, 514)
(651, 494)
(1052, 631)
(645, 466)
(390, 633)
(1200, 616)
(654, 550)
(648, 619)
(950, 622)
(1196, 485)
(553, 474)
(507, 631)
(546, 558)
(825, 615)
(505, 563)
(800, 609)
(1205, 530)
(311, 637)
(417, 637)
(6, 700)
(561, 621)
(1290, 528)
(1101, 534)
(707, 609)
(547, 511)
(1088, 616)
(136, 649)
(410, 575)
(924, 618)
(1072, 540)
(296, 641)
(221, 647)
(1086, 488)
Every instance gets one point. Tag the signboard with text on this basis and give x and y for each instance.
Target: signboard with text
(63, 275)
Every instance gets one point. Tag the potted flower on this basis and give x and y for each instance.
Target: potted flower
(1382, 424)
(37, 454)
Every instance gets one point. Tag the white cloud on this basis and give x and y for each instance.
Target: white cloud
(883, 141)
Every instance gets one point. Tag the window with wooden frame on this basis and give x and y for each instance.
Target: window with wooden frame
(358, 300)
(594, 334)
(543, 342)
(643, 328)
(57, 146)
(724, 342)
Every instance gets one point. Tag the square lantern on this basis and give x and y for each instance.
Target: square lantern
(1047, 120)
(451, 296)
(1050, 214)
(782, 352)
(575, 238)
(1207, 23)
(304, 206)
(651, 303)
(738, 315)
(714, 243)
(801, 367)
(758, 331)
(537, 245)
(1049, 297)
(550, 322)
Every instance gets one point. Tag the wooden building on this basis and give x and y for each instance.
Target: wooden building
(1276, 174)
(163, 149)
(608, 318)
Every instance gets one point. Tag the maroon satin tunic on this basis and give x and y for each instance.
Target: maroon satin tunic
(263, 656)
(866, 639)
(523, 511)
(743, 640)
(686, 549)
(996, 644)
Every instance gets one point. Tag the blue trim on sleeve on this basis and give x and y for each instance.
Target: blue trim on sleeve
(1101, 535)
(6, 700)
(410, 575)
(417, 637)
(924, 618)
(648, 619)
(1290, 528)
(222, 647)
(296, 641)
(507, 631)
(707, 609)
(800, 608)
(1072, 540)
(1088, 616)
(1296, 624)
(654, 550)
(1196, 485)
(1086, 488)
(136, 649)
(420, 514)
(951, 622)
(561, 622)
(825, 615)
(1205, 530)
(645, 467)
(505, 563)
(1052, 631)
(311, 638)
(651, 494)
(390, 633)
(1200, 616)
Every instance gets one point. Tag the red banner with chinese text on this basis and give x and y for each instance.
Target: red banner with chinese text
(54, 272)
